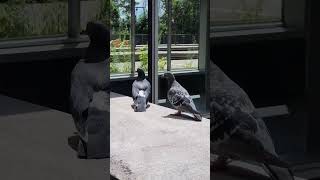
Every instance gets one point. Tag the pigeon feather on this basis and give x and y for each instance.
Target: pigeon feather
(236, 132)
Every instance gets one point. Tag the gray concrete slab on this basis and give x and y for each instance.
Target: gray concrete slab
(35, 145)
(238, 170)
(154, 145)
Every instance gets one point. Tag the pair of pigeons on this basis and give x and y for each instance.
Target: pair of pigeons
(90, 94)
(177, 95)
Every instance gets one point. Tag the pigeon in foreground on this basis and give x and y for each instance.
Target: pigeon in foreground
(141, 89)
(90, 94)
(179, 97)
(236, 132)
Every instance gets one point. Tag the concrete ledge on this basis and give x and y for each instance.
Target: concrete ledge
(153, 145)
(239, 170)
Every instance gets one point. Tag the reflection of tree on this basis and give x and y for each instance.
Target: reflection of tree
(251, 13)
(22, 18)
(185, 21)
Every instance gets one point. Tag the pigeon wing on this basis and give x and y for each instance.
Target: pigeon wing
(181, 100)
(177, 97)
(135, 89)
(148, 88)
(79, 98)
(240, 133)
(228, 121)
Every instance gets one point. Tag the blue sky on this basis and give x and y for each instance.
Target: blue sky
(140, 3)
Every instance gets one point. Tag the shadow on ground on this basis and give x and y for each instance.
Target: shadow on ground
(73, 141)
(180, 117)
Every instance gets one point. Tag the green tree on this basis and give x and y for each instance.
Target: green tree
(142, 24)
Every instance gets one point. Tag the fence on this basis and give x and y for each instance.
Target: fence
(142, 39)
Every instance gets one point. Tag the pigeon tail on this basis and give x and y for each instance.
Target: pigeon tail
(198, 117)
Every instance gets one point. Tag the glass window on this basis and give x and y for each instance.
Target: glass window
(121, 50)
(179, 46)
(181, 53)
(33, 18)
(179, 34)
(94, 10)
(230, 12)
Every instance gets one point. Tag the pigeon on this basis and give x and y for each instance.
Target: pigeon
(236, 132)
(90, 94)
(141, 89)
(179, 97)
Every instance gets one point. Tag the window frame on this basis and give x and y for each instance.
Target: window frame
(289, 26)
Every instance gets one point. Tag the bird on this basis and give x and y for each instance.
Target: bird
(237, 132)
(141, 89)
(90, 94)
(179, 97)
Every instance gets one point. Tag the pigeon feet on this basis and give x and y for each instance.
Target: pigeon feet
(178, 113)
(82, 149)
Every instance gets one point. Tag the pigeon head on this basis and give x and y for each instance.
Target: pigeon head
(99, 34)
(141, 74)
(169, 77)
(99, 47)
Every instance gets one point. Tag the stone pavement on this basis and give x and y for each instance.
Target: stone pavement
(155, 145)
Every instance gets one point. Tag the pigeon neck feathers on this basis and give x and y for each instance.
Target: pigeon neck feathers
(141, 75)
(96, 55)
(171, 81)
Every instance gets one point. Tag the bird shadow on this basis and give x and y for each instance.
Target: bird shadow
(181, 117)
(73, 141)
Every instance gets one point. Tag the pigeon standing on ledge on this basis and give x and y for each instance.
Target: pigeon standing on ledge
(90, 93)
(236, 132)
(179, 97)
(141, 89)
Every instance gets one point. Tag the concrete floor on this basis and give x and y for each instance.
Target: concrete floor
(156, 145)
(36, 143)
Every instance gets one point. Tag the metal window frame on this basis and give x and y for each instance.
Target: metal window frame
(169, 36)
(153, 28)
(132, 36)
(153, 22)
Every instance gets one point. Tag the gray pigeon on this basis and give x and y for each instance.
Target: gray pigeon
(179, 97)
(90, 93)
(141, 89)
(236, 132)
